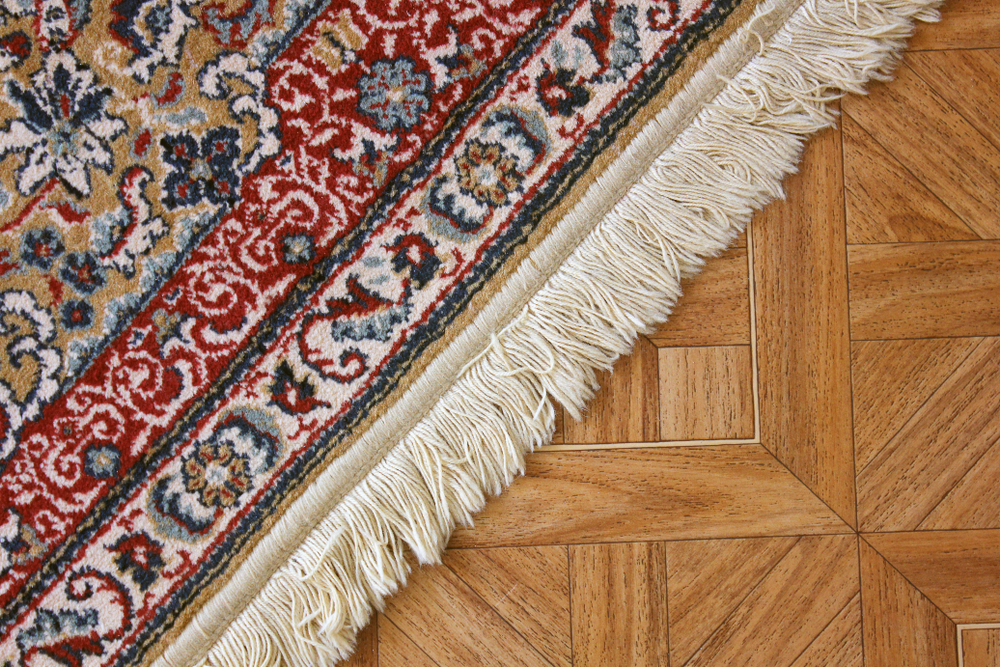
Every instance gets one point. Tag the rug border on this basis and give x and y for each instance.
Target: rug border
(521, 365)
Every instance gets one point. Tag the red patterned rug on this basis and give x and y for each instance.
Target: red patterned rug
(288, 287)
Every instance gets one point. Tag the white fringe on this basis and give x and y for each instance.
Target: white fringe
(623, 279)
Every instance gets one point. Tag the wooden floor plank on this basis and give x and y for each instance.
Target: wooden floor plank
(925, 290)
(958, 570)
(434, 599)
(366, 650)
(901, 626)
(707, 579)
(650, 494)
(619, 598)
(981, 647)
(965, 24)
(840, 642)
(891, 379)
(974, 501)
(936, 448)
(397, 650)
(714, 308)
(969, 81)
(936, 144)
(789, 609)
(528, 587)
(706, 393)
(803, 348)
(626, 407)
(888, 204)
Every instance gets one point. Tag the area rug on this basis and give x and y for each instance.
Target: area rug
(290, 287)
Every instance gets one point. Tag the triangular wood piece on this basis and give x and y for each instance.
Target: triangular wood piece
(936, 144)
(435, 599)
(892, 379)
(707, 579)
(528, 587)
(840, 643)
(969, 80)
(885, 202)
(790, 607)
(958, 570)
(397, 650)
(901, 626)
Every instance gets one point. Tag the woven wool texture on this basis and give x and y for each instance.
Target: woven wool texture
(289, 287)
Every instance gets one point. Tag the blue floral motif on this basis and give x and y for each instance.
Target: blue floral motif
(83, 272)
(395, 95)
(201, 172)
(154, 30)
(298, 248)
(102, 461)
(64, 129)
(41, 247)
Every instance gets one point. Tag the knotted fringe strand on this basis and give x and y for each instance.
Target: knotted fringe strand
(622, 279)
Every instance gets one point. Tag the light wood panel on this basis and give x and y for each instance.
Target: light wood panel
(397, 650)
(901, 626)
(969, 81)
(936, 144)
(840, 642)
(706, 393)
(789, 608)
(803, 349)
(626, 408)
(619, 598)
(714, 308)
(528, 587)
(959, 571)
(965, 24)
(888, 204)
(435, 598)
(981, 647)
(650, 494)
(925, 290)
(707, 580)
(937, 447)
(892, 379)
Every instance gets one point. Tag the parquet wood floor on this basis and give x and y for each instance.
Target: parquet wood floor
(802, 468)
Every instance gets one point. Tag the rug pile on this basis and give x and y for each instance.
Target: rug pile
(288, 288)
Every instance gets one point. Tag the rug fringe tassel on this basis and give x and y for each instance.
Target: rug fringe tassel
(623, 279)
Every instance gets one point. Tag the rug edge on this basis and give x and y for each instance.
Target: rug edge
(588, 313)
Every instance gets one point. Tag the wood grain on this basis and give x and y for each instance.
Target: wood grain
(803, 350)
(974, 501)
(937, 447)
(969, 81)
(888, 204)
(840, 642)
(936, 144)
(714, 308)
(925, 290)
(706, 393)
(789, 609)
(650, 494)
(959, 571)
(435, 598)
(893, 378)
(965, 24)
(528, 587)
(397, 650)
(626, 407)
(901, 626)
(981, 647)
(619, 598)
(707, 580)
(366, 650)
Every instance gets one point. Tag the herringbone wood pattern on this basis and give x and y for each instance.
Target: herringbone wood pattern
(802, 468)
